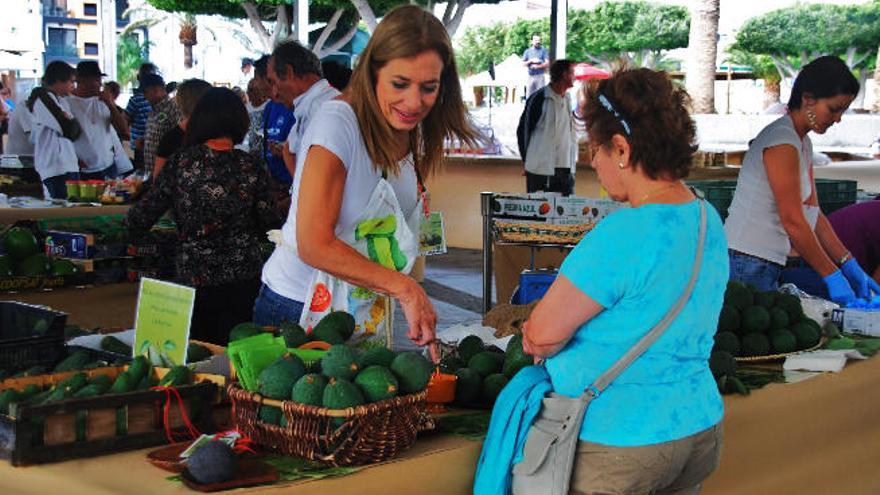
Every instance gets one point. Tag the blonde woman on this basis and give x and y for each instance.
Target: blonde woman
(404, 98)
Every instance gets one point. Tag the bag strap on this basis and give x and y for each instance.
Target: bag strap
(642, 345)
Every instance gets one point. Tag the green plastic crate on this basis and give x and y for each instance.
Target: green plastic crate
(719, 193)
(835, 194)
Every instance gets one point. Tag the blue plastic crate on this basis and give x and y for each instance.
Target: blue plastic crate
(533, 284)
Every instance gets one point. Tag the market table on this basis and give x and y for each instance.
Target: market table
(106, 306)
(9, 216)
(818, 436)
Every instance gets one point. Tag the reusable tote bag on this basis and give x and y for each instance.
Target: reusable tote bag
(551, 444)
(384, 235)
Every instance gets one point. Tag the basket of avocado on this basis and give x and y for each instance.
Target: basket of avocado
(756, 326)
(360, 408)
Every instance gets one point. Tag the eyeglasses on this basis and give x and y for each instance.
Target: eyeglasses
(608, 106)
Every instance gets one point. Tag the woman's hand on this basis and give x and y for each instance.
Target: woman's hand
(421, 317)
(860, 282)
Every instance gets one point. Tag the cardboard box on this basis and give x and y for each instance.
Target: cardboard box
(533, 207)
(587, 209)
(70, 244)
(858, 321)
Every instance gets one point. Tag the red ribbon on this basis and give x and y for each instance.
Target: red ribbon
(166, 415)
(242, 443)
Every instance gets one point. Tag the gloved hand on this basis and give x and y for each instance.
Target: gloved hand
(860, 282)
(839, 289)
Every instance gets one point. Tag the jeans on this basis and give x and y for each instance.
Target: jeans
(218, 308)
(761, 273)
(56, 185)
(273, 309)
(562, 181)
(107, 173)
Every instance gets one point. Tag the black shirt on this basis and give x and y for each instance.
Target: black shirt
(171, 143)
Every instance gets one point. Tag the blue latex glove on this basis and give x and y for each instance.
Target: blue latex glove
(839, 289)
(860, 282)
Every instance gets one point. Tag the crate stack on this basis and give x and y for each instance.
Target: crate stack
(96, 245)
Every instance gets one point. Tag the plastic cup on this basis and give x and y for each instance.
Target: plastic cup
(72, 188)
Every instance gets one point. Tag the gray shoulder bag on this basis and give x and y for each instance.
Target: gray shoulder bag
(551, 444)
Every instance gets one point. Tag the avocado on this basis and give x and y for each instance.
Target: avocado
(805, 334)
(738, 296)
(755, 319)
(765, 299)
(326, 334)
(35, 265)
(782, 341)
(515, 358)
(381, 356)
(451, 363)
(377, 383)
(294, 335)
(339, 362)
(140, 366)
(72, 331)
(176, 377)
(75, 361)
(111, 344)
(721, 363)
(148, 381)
(486, 363)
(341, 394)
(413, 371)
(123, 383)
(62, 267)
(214, 462)
(5, 266)
(196, 353)
(67, 388)
(244, 330)
(468, 386)
(276, 380)
(340, 321)
(469, 347)
(271, 415)
(791, 304)
(7, 397)
(309, 390)
(20, 243)
(103, 382)
(778, 318)
(727, 341)
(755, 344)
(491, 387)
(728, 319)
(88, 391)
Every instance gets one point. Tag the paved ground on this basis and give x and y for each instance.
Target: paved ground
(454, 282)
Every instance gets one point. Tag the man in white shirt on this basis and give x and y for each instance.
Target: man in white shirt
(295, 71)
(98, 148)
(21, 122)
(54, 130)
(547, 136)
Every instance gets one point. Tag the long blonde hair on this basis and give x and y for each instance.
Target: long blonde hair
(406, 32)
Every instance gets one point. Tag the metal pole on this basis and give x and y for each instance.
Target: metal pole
(486, 211)
(558, 23)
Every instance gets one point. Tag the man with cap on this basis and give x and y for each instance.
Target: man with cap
(137, 111)
(165, 117)
(98, 149)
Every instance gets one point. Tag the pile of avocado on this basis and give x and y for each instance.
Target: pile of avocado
(78, 360)
(334, 328)
(346, 378)
(754, 323)
(24, 257)
(482, 372)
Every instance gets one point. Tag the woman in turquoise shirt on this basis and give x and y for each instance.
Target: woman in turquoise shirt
(656, 429)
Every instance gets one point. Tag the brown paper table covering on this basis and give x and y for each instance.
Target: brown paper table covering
(8, 216)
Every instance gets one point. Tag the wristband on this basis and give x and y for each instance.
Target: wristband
(843, 259)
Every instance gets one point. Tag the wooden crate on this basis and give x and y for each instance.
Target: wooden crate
(100, 425)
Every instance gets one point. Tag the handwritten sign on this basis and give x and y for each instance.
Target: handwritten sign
(162, 322)
(432, 235)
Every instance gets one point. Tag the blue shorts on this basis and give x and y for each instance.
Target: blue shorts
(748, 269)
(273, 309)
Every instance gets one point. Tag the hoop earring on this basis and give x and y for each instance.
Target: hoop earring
(811, 119)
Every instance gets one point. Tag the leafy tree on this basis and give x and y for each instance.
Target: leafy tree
(130, 54)
(480, 45)
(793, 36)
(763, 68)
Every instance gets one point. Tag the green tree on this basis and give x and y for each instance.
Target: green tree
(763, 68)
(479, 45)
(130, 54)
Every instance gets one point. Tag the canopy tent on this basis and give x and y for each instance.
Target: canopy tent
(510, 73)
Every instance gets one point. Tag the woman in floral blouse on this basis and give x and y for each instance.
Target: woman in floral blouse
(220, 200)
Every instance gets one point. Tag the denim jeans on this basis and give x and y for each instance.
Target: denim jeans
(273, 309)
(762, 274)
(107, 173)
(56, 185)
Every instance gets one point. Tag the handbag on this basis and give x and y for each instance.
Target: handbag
(551, 444)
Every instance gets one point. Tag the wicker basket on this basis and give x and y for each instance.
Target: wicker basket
(371, 433)
(540, 232)
(779, 357)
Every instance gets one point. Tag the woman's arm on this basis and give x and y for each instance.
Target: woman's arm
(783, 173)
(563, 309)
(320, 199)
(157, 200)
(829, 240)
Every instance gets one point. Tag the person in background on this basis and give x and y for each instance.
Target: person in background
(336, 74)
(295, 71)
(657, 427)
(112, 91)
(241, 94)
(403, 100)
(98, 148)
(171, 88)
(188, 94)
(858, 228)
(165, 117)
(775, 205)
(257, 99)
(547, 134)
(247, 72)
(5, 111)
(536, 59)
(277, 121)
(55, 129)
(261, 85)
(20, 140)
(6, 97)
(138, 111)
(219, 198)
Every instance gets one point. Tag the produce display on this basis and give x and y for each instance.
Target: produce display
(24, 257)
(483, 371)
(755, 324)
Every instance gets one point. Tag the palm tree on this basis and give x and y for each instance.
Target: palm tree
(702, 53)
(188, 34)
(189, 30)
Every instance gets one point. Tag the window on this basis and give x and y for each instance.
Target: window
(61, 42)
(90, 48)
(90, 9)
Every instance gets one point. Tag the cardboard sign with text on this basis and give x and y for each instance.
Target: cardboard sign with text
(162, 321)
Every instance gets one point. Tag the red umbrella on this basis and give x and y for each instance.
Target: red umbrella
(584, 71)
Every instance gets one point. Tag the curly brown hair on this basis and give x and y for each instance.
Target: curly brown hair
(652, 115)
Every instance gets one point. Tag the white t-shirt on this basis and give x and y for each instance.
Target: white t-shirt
(95, 145)
(334, 127)
(20, 137)
(304, 107)
(753, 225)
(54, 154)
(553, 143)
